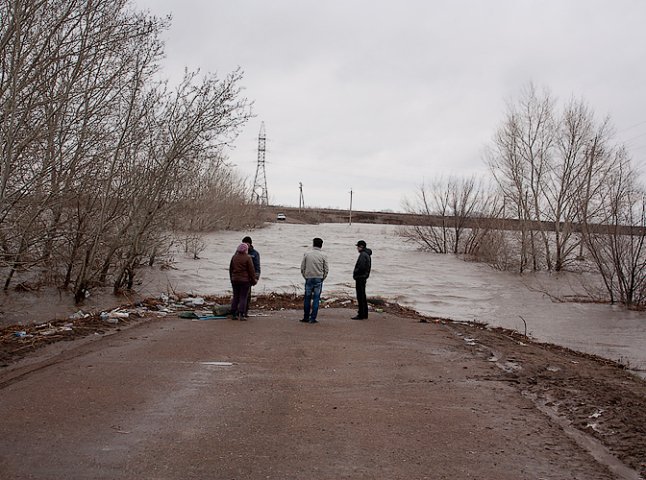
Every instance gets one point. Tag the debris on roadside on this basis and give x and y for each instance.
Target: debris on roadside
(16, 341)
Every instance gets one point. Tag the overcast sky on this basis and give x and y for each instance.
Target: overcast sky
(377, 97)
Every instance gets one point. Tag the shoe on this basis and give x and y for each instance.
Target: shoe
(313, 321)
(357, 317)
(304, 320)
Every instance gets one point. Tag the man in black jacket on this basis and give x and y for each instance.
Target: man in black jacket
(360, 275)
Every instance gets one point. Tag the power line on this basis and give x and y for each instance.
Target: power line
(632, 126)
(635, 137)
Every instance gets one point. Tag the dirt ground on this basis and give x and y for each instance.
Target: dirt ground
(398, 396)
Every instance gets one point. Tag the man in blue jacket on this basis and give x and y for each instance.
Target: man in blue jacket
(255, 258)
(360, 275)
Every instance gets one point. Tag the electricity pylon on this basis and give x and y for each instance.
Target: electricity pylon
(259, 193)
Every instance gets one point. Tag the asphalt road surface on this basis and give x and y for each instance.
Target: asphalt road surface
(273, 398)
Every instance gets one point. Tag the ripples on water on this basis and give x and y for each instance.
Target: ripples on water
(439, 285)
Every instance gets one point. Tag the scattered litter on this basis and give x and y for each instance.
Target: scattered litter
(218, 364)
(510, 367)
(118, 430)
(593, 426)
(113, 316)
(552, 368)
(379, 310)
(201, 315)
(470, 341)
(51, 331)
(194, 301)
(492, 359)
(221, 309)
(21, 334)
(596, 414)
(78, 315)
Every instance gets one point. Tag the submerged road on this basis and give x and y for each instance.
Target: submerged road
(273, 398)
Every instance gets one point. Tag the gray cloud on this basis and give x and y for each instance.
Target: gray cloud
(378, 96)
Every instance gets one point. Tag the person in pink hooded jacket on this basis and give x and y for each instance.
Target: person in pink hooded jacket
(243, 276)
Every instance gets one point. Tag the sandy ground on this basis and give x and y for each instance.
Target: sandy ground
(397, 396)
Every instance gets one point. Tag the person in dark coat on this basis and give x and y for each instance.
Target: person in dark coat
(255, 257)
(243, 276)
(360, 275)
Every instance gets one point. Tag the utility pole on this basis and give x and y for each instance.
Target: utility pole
(301, 200)
(350, 206)
(259, 193)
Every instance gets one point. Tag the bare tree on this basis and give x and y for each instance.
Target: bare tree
(551, 166)
(448, 207)
(618, 244)
(97, 157)
(521, 163)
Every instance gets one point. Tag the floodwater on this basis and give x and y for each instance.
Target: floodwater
(433, 284)
(438, 285)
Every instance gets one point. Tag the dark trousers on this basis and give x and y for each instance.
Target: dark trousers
(248, 299)
(240, 294)
(362, 300)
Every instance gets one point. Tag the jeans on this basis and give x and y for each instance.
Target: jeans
(313, 288)
(362, 299)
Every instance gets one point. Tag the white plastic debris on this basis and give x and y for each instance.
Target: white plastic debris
(194, 301)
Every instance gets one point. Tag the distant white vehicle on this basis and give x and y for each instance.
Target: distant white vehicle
(281, 216)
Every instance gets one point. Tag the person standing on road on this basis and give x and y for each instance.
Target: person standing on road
(242, 276)
(360, 275)
(255, 258)
(314, 269)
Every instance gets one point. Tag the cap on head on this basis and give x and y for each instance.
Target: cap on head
(242, 248)
(317, 242)
(247, 240)
(361, 243)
